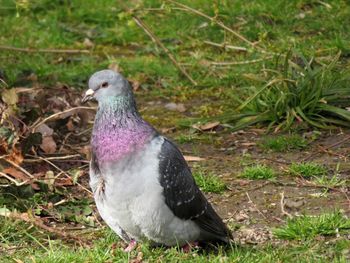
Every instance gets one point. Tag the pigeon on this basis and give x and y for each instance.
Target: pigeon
(142, 185)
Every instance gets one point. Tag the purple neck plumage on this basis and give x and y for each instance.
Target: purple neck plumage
(118, 130)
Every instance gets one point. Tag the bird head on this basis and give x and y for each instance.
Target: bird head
(105, 84)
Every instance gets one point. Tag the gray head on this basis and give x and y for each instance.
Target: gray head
(106, 84)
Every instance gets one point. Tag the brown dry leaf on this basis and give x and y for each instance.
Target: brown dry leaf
(70, 125)
(206, 127)
(15, 156)
(9, 96)
(190, 158)
(86, 151)
(63, 181)
(19, 176)
(48, 145)
(209, 126)
(135, 85)
(15, 173)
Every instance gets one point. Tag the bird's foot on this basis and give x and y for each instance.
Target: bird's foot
(131, 246)
(189, 246)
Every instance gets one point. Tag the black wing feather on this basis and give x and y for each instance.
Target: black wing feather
(183, 196)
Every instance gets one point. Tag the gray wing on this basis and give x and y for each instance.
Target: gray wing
(183, 196)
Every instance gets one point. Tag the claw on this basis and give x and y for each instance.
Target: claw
(131, 246)
(188, 247)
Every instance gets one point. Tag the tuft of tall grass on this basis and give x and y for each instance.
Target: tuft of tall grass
(308, 227)
(299, 92)
(296, 92)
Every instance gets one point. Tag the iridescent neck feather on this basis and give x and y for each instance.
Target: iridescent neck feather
(119, 130)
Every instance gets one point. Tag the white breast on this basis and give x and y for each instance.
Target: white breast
(133, 200)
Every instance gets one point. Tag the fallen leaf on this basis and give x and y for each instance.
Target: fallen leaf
(206, 127)
(15, 156)
(88, 43)
(9, 96)
(190, 158)
(294, 204)
(15, 173)
(70, 125)
(48, 145)
(44, 130)
(4, 211)
(86, 151)
(180, 107)
(19, 175)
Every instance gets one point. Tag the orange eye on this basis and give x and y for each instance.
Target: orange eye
(104, 85)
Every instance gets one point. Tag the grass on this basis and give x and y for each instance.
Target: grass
(27, 244)
(209, 182)
(284, 143)
(315, 29)
(258, 172)
(307, 169)
(308, 227)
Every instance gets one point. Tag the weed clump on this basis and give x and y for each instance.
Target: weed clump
(307, 170)
(209, 183)
(308, 227)
(284, 143)
(258, 172)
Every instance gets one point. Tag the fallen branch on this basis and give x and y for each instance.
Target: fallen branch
(45, 50)
(148, 31)
(282, 203)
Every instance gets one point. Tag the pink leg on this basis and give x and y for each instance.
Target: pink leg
(131, 246)
(188, 247)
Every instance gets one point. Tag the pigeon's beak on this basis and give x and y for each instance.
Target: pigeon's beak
(88, 95)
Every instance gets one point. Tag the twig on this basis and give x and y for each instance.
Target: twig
(233, 63)
(13, 180)
(26, 217)
(20, 168)
(148, 31)
(282, 203)
(65, 173)
(225, 46)
(44, 50)
(53, 116)
(255, 206)
(53, 158)
(327, 148)
(214, 20)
